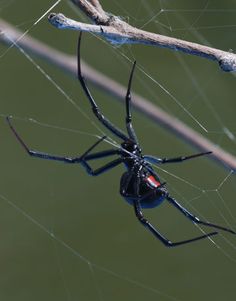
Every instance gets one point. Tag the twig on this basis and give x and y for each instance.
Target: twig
(97, 5)
(68, 63)
(93, 10)
(116, 31)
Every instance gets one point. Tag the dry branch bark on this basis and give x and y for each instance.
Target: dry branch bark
(117, 31)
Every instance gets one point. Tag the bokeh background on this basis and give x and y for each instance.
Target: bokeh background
(67, 236)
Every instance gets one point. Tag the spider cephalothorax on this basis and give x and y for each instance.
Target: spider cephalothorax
(131, 147)
(140, 185)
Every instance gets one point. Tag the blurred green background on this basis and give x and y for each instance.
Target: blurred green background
(67, 236)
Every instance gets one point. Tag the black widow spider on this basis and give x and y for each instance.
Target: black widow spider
(140, 185)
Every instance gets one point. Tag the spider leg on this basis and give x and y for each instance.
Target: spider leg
(151, 228)
(101, 169)
(155, 160)
(194, 218)
(129, 126)
(111, 127)
(102, 154)
(47, 156)
(158, 235)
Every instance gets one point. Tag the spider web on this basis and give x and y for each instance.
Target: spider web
(66, 236)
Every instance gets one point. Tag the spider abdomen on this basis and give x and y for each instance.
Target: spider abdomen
(150, 194)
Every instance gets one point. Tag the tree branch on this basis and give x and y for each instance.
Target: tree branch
(68, 63)
(116, 31)
(97, 5)
(93, 10)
